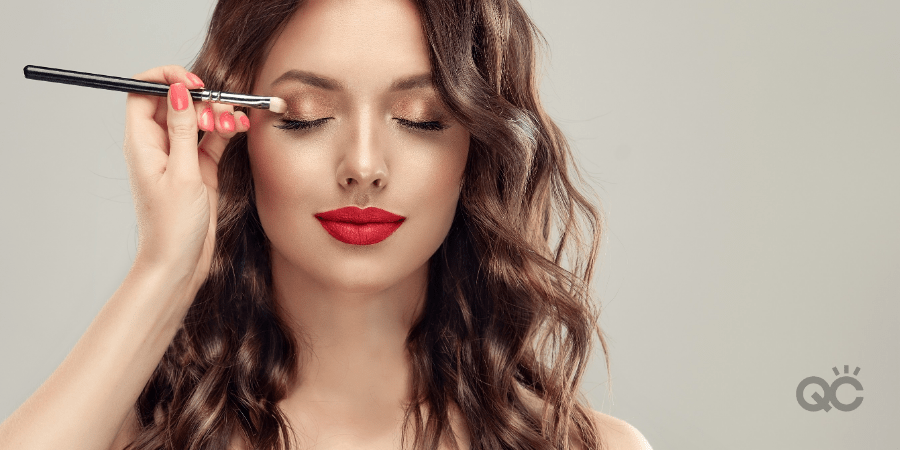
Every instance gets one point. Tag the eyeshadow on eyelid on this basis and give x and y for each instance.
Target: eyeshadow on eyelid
(419, 109)
(303, 103)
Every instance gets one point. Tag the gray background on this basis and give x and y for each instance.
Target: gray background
(746, 153)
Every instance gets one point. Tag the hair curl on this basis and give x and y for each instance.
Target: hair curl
(503, 319)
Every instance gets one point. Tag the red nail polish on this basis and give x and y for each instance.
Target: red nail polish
(206, 120)
(226, 120)
(180, 97)
(195, 79)
(245, 122)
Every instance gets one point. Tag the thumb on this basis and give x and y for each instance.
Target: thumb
(181, 121)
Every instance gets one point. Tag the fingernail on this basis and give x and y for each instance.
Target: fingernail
(180, 98)
(245, 122)
(226, 121)
(206, 120)
(195, 79)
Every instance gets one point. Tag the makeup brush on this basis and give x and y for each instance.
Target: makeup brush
(274, 104)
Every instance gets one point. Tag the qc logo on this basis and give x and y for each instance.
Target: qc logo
(830, 391)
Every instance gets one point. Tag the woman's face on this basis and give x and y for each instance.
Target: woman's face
(364, 128)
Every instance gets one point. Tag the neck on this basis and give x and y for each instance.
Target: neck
(351, 339)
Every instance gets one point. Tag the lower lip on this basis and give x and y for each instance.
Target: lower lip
(360, 233)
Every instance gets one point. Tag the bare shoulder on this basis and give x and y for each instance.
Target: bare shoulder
(616, 434)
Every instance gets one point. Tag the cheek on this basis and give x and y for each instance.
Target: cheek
(284, 180)
(437, 174)
(439, 178)
(269, 176)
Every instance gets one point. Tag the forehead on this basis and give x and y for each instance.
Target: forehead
(358, 43)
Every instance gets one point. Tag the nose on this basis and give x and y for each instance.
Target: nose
(363, 164)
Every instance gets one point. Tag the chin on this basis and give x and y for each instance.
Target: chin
(370, 283)
(400, 273)
(361, 276)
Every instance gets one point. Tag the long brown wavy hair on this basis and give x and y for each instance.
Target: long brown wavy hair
(504, 322)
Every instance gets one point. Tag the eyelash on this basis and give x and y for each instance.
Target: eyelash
(432, 125)
(287, 124)
(301, 124)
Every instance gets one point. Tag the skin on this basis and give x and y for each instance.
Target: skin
(351, 306)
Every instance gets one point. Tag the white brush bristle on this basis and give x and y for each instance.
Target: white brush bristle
(277, 105)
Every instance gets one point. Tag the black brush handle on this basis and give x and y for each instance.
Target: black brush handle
(97, 81)
(143, 87)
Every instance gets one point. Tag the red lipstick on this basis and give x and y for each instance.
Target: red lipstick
(357, 226)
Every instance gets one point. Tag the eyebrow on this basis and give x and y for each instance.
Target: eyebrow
(413, 82)
(330, 84)
(308, 78)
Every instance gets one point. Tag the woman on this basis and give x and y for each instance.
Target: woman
(258, 314)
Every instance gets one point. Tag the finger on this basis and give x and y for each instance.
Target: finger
(213, 144)
(194, 82)
(191, 81)
(242, 121)
(225, 123)
(209, 170)
(181, 121)
(171, 75)
(205, 118)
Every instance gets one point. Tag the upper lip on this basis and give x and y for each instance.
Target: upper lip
(352, 214)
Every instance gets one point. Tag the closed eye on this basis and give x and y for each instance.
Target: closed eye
(287, 124)
(432, 125)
